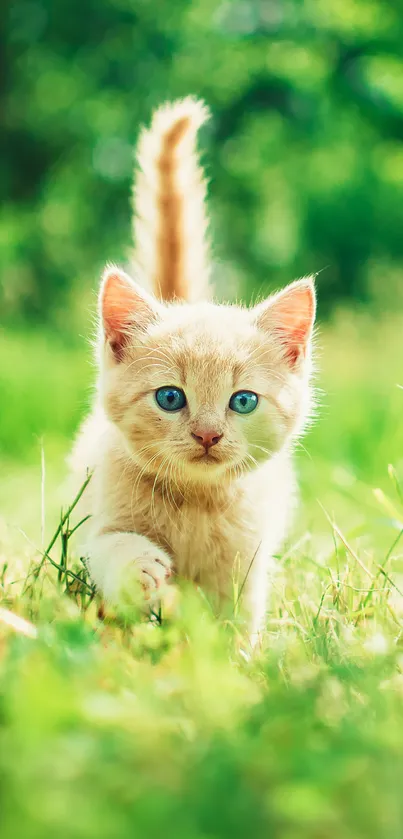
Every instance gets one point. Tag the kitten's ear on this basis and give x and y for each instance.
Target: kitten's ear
(124, 306)
(290, 315)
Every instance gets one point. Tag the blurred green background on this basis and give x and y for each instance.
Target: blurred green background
(167, 731)
(304, 148)
(305, 156)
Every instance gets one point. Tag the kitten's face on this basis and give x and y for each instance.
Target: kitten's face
(203, 392)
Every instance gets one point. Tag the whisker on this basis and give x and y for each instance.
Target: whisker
(262, 448)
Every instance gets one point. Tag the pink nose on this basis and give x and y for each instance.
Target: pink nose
(207, 438)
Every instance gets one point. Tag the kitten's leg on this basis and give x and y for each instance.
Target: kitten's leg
(121, 564)
(257, 596)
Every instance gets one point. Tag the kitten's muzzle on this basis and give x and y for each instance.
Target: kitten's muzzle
(206, 438)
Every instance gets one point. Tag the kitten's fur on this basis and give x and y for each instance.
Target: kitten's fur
(157, 511)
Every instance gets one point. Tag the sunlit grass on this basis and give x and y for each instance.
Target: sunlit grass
(171, 728)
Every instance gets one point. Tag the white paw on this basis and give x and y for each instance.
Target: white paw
(147, 576)
(128, 568)
(154, 571)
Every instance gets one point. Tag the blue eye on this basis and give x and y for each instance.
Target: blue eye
(170, 398)
(244, 402)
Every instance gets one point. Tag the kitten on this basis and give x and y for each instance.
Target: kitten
(198, 405)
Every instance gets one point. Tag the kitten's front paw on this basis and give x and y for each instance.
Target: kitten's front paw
(154, 572)
(146, 575)
(128, 568)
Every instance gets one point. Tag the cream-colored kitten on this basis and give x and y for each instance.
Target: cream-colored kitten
(198, 404)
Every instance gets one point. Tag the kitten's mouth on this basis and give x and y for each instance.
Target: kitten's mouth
(205, 458)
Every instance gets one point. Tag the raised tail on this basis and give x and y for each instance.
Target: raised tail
(170, 225)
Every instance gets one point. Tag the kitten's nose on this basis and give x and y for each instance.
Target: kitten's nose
(207, 438)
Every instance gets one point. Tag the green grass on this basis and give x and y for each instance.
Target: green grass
(169, 730)
(44, 387)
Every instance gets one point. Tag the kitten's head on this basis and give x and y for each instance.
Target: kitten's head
(201, 392)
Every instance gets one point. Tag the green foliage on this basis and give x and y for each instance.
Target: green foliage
(140, 729)
(145, 729)
(44, 386)
(192, 745)
(304, 147)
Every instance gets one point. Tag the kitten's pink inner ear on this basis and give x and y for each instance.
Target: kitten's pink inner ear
(291, 314)
(124, 306)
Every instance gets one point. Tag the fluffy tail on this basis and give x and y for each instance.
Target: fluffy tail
(170, 224)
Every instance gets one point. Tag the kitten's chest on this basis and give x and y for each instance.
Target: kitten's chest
(208, 545)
